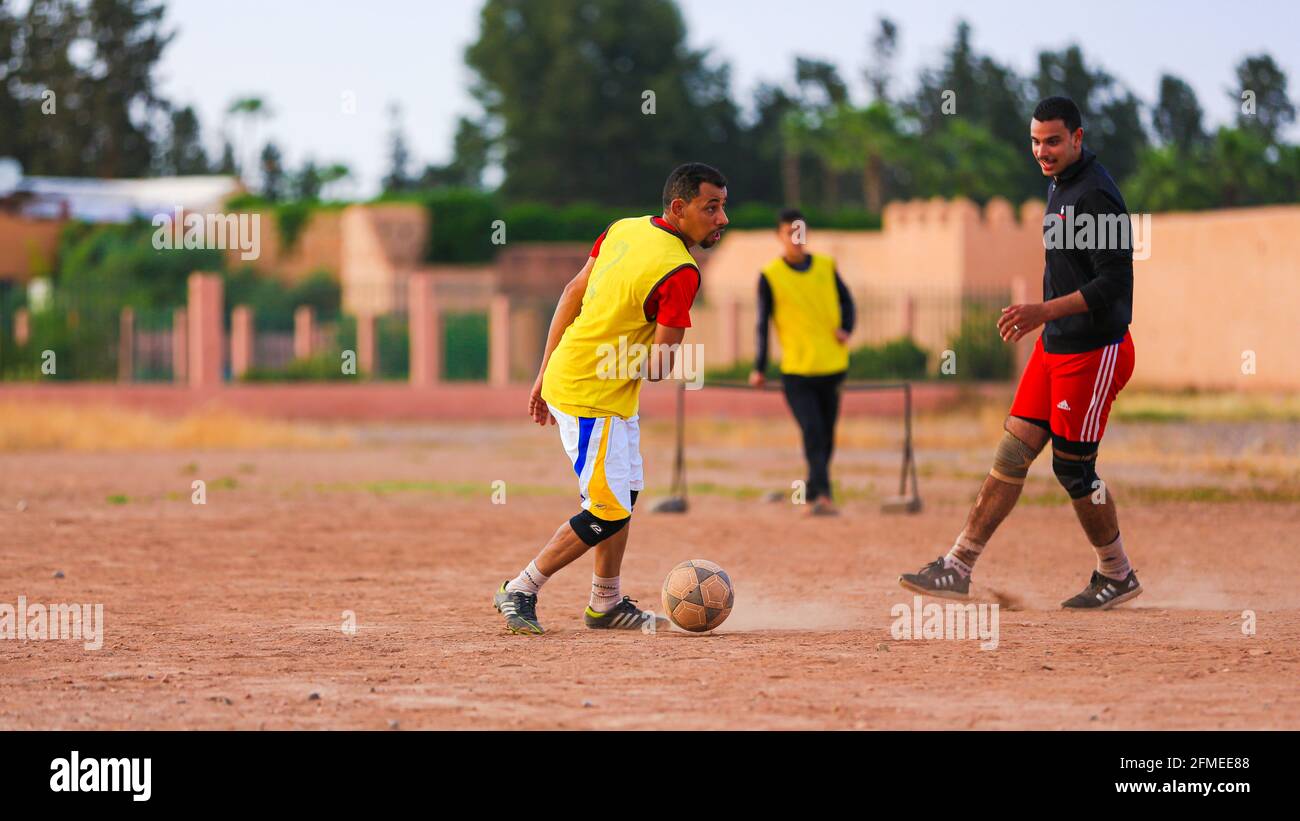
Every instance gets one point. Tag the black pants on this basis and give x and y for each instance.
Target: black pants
(815, 402)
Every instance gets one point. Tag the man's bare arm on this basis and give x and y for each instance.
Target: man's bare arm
(566, 310)
(1018, 320)
(665, 340)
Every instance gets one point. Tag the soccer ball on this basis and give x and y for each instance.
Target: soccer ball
(698, 595)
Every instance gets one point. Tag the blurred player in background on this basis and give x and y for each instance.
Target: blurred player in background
(803, 295)
(637, 288)
(1078, 366)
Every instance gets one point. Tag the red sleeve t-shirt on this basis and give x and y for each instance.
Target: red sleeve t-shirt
(670, 303)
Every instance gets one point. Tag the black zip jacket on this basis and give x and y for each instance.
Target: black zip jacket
(1102, 273)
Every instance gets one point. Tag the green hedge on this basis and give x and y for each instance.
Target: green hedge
(463, 220)
(980, 352)
(897, 359)
(326, 366)
(465, 337)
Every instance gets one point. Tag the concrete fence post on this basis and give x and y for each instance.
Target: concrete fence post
(204, 337)
(126, 346)
(241, 340)
(304, 331)
(426, 332)
(180, 358)
(367, 350)
(499, 340)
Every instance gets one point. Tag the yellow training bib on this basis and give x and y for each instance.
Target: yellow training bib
(806, 312)
(589, 374)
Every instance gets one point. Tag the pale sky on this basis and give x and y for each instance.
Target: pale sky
(303, 55)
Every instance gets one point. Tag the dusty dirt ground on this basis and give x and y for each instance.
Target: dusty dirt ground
(230, 614)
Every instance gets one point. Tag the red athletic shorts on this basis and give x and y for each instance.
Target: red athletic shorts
(1073, 391)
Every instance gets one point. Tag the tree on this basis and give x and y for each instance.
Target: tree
(332, 175)
(10, 109)
(1177, 115)
(883, 48)
(307, 183)
(227, 164)
(1273, 110)
(128, 41)
(975, 88)
(988, 96)
(398, 178)
(470, 150)
(249, 111)
(1112, 121)
(50, 143)
(776, 170)
(819, 83)
(596, 99)
(183, 150)
(821, 93)
(864, 140)
(273, 181)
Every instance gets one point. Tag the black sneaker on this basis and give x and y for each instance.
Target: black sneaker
(1103, 592)
(937, 579)
(520, 610)
(624, 616)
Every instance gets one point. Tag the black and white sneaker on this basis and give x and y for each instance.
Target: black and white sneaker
(1103, 592)
(624, 616)
(520, 610)
(937, 579)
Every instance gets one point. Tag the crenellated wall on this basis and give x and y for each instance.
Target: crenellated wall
(1219, 284)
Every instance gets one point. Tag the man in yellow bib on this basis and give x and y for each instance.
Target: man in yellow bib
(803, 295)
(621, 320)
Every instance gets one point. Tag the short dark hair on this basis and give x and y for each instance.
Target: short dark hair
(1059, 108)
(685, 181)
(789, 215)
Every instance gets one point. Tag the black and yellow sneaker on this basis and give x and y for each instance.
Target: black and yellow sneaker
(624, 616)
(1103, 592)
(937, 579)
(520, 610)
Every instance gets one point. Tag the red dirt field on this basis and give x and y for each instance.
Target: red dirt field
(229, 614)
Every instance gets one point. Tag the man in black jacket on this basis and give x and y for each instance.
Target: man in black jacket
(1079, 364)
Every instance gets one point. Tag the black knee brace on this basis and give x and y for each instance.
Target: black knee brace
(1075, 466)
(593, 530)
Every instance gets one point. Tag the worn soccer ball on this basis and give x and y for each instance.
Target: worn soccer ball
(698, 595)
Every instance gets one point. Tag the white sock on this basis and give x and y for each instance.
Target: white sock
(1112, 561)
(958, 565)
(605, 593)
(529, 581)
(965, 551)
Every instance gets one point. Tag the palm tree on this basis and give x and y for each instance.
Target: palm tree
(865, 140)
(249, 110)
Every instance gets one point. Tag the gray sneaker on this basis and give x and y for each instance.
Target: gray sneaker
(624, 616)
(520, 610)
(937, 579)
(1103, 592)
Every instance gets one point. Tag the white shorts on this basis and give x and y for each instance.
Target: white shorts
(605, 452)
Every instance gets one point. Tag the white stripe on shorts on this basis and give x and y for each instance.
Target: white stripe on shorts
(1100, 389)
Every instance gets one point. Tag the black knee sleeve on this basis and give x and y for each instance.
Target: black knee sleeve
(593, 530)
(1075, 466)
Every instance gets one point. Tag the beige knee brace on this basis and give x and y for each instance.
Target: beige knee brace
(1012, 460)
